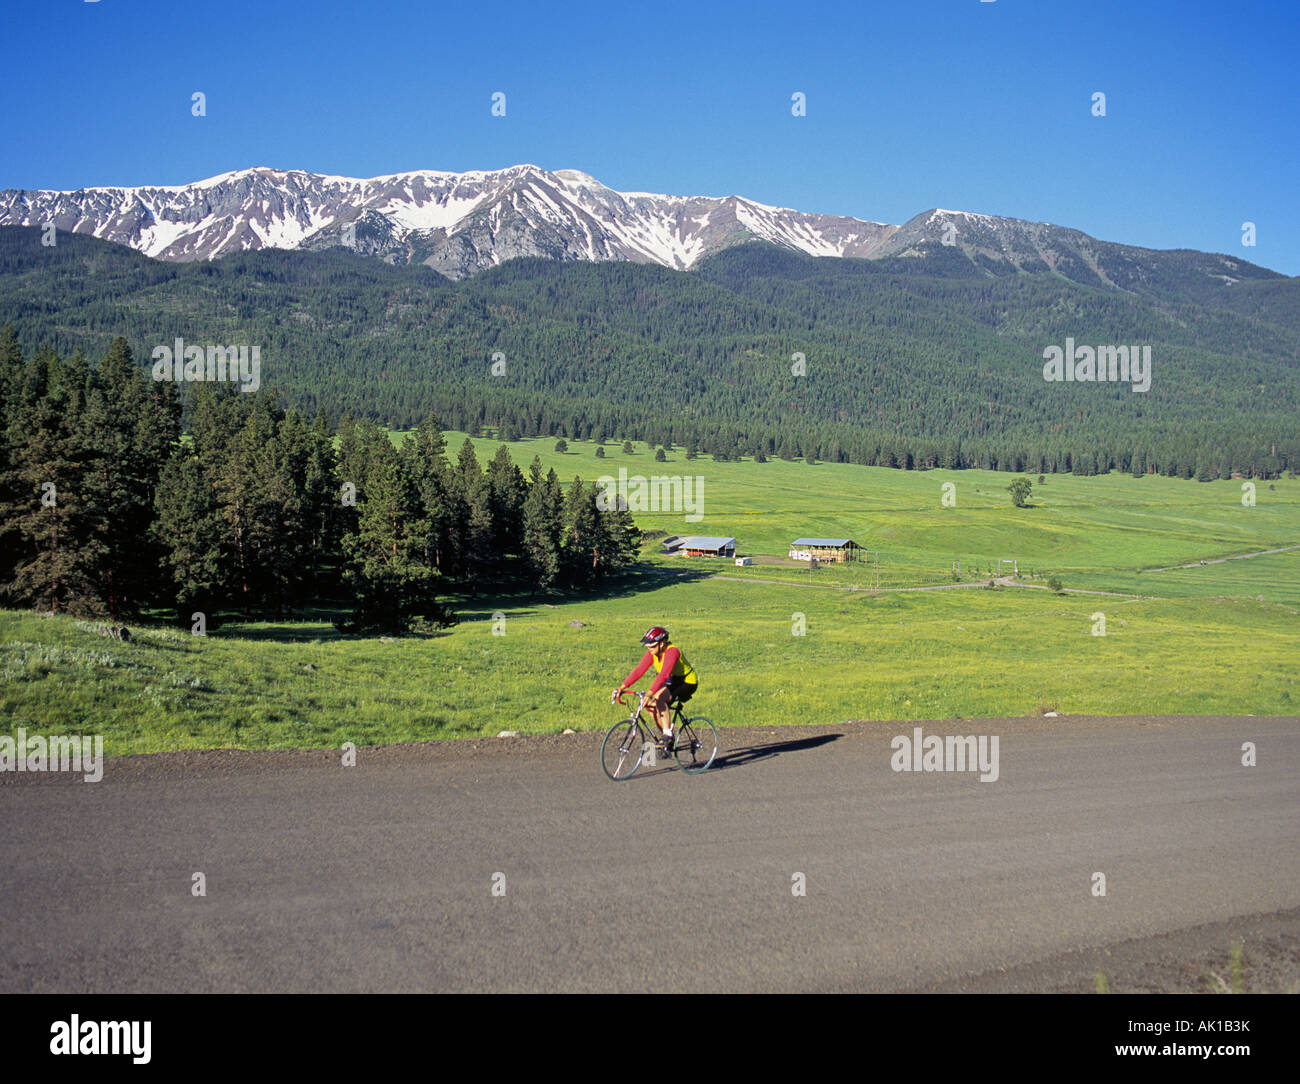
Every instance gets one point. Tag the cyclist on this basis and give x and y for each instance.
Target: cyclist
(676, 680)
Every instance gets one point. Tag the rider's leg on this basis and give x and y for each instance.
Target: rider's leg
(659, 706)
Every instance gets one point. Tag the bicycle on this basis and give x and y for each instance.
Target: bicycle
(694, 743)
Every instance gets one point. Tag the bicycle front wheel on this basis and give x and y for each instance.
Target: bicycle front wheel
(697, 745)
(620, 754)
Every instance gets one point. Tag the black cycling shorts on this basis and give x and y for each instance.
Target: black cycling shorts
(680, 690)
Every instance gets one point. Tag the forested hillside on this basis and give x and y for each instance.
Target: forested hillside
(910, 362)
(104, 509)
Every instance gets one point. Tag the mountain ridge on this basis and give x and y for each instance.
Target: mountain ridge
(460, 224)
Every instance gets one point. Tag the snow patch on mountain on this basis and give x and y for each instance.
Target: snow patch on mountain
(159, 237)
(432, 214)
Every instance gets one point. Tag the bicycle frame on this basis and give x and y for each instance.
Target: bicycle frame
(650, 731)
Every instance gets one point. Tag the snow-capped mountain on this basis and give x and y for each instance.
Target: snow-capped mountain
(457, 223)
(461, 223)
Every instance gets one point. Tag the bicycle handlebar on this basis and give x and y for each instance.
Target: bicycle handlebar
(617, 697)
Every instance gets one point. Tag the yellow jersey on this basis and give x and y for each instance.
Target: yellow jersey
(682, 670)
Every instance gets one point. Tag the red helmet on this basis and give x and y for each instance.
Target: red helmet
(655, 635)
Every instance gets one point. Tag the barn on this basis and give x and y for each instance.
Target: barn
(825, 549)
(703, 546)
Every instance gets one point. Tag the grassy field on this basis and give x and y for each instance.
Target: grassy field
(1208, 639)
(1101, 533)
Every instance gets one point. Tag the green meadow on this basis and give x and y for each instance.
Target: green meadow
(1104, 533)
(773, 643)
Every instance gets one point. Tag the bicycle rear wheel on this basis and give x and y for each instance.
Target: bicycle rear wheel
(620, 753)
(697, 745)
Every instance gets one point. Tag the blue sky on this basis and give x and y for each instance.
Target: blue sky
(911, 104)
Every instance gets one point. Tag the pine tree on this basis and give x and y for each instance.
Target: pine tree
(60, 531)
(255, 459)
(287, 555)
(619, 538)
(190, 530)
(423, 456)
(472, 515)
(321, 504)
(130, 428)
(580, 556)
(384, 558)
(506, 495)
(349, 468)
(11, 374)
(543, 508)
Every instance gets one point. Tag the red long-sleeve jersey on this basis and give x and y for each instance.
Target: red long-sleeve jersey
(673, 665)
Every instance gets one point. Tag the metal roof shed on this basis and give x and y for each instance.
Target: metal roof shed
(826, 543)
(708, 546)
(824, 549)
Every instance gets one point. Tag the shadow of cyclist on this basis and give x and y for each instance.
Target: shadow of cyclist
(751, 754)
(735, 758)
